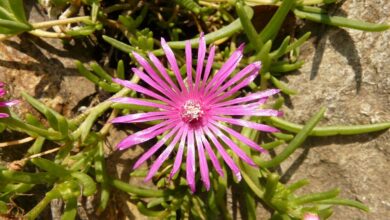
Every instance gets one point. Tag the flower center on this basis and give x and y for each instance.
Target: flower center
(191, 111)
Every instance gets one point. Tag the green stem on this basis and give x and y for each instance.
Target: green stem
(271, 30)
(286, 67)
(51, 167)
(135, 190)
(226, 31)
(315, 2)
(281, 50)
(92, 114)
(23, 177)
(103, 105)
(341, 21)
(48, 34)
(345, 202)
(101, 177)
(316, 197)
(148, 212)
(118, 7)
(298, 42)
(155, 202)
(48, 24)
(273, 144)
(312, 9)
(296, 142)
(282, 86)
(70, 210)
(252, 185)
(34, 213)
(51, 135)
(297, 185)
(330, 130)
(270, 187)
(248, 27)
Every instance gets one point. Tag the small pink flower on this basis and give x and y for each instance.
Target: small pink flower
(5, 103)
(311, 216)
(193, 111)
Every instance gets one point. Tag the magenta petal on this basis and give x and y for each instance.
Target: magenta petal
(122, 119)
(254, 67)
(246, 112)
(4, 115)
(255, 105)
(213, 157)
(189, 63)
(2, 92)
(146, 134)
(133, 101)
(204, 169)
(201, 56)
(172, 61)
(190, 163)
(241, 138)
(153, 74)
(236, 88)
(232, 145)
(9, 103)
(155, 147)
(157, 63)
(209, 65)
(167, 92)
(227, 68)
(163, 156)
(251, 69)
(229, 161)
(244, 123)
(141, 89)
(179, 155)
(248, 98)
(131, 117)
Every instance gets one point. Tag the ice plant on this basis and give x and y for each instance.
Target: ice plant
(5, 103)
(193, 113)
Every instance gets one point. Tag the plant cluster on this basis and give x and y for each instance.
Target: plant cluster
(74, 166)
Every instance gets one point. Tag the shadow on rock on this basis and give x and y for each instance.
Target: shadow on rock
(321, 141)
(341, 41)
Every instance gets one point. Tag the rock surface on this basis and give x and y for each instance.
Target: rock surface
(44, 68)
(346, 71)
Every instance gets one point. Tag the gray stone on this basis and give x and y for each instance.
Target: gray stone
(346, 71)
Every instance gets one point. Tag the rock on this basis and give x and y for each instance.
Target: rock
(44, 68)
(348, 72)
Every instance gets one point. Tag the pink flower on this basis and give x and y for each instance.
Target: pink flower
(311, 216)
(194, 111)
(5, 103)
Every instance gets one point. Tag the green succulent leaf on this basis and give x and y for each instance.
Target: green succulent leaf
(89, 186)
(341, 21)
(56, 120)
(51, 167)
(70, 211)
(3, 207)
(84, 31)
(12, 17)
(189, 5)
